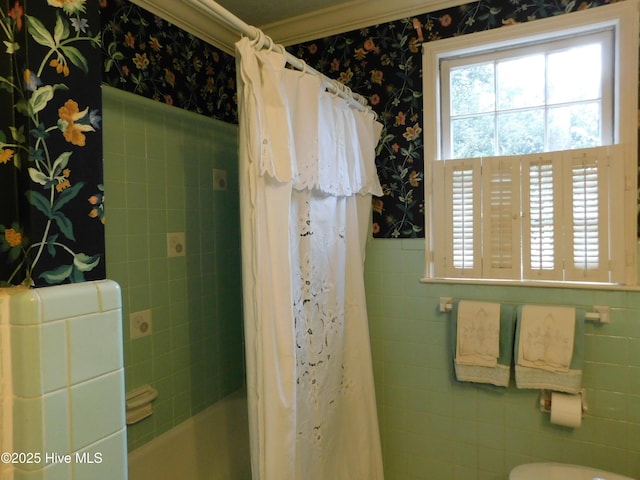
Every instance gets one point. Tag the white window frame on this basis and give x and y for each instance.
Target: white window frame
(623, 18)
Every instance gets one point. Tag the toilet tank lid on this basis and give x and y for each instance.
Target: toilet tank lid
(561, 471)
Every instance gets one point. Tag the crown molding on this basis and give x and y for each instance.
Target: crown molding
(194, 21)
(302, 28)
(349, 16)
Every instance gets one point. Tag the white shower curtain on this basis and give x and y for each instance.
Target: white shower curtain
(306, 178)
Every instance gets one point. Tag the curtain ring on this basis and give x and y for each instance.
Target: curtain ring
(304, 64)
(346, 91)
(268, 43)
(336, 89)
(253, 37)
(259, 40)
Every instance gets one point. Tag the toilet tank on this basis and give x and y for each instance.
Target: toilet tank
(561, 471)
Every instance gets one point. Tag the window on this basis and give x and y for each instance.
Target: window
(531, 141)
(542, 97)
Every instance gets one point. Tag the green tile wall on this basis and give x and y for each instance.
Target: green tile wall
(436, 428)
(158, 163)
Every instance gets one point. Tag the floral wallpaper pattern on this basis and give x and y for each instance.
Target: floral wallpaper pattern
(383, 63)
(51, 226)
(144, 54)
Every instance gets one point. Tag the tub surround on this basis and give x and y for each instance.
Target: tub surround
(68, 381)
(159, 169)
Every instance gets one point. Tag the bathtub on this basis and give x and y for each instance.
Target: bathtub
(212, 445)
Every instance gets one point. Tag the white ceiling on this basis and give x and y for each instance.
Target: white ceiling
(287, 21)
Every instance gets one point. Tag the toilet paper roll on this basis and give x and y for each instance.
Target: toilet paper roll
(566, 409)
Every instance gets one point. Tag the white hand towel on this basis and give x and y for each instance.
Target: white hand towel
(478, 333)
(546, 337)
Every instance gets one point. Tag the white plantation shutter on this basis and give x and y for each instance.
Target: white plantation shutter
(501, 217)
(549, 216)
(542, 219)
(591, 181)
(587, 253)
(457, 199)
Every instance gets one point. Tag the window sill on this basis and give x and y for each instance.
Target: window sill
(531, 283)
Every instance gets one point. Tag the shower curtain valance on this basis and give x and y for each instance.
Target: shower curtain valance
(345, 144)
(317, 151)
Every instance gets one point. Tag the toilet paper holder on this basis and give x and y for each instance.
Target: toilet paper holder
(545, 400)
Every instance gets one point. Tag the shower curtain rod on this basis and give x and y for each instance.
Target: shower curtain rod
(253, 33)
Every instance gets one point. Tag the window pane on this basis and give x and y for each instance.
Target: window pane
(521, 82)
(521, 132)
(574, 74)
(574, 126)
(473, 137)
(472, 89)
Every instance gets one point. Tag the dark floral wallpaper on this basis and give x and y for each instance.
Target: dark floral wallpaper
(51, 220)
(144, 54)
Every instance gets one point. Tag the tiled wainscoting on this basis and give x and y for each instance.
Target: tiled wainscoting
(67, 382)
(436, 428)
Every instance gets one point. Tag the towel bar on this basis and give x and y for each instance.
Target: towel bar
(600, 313)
